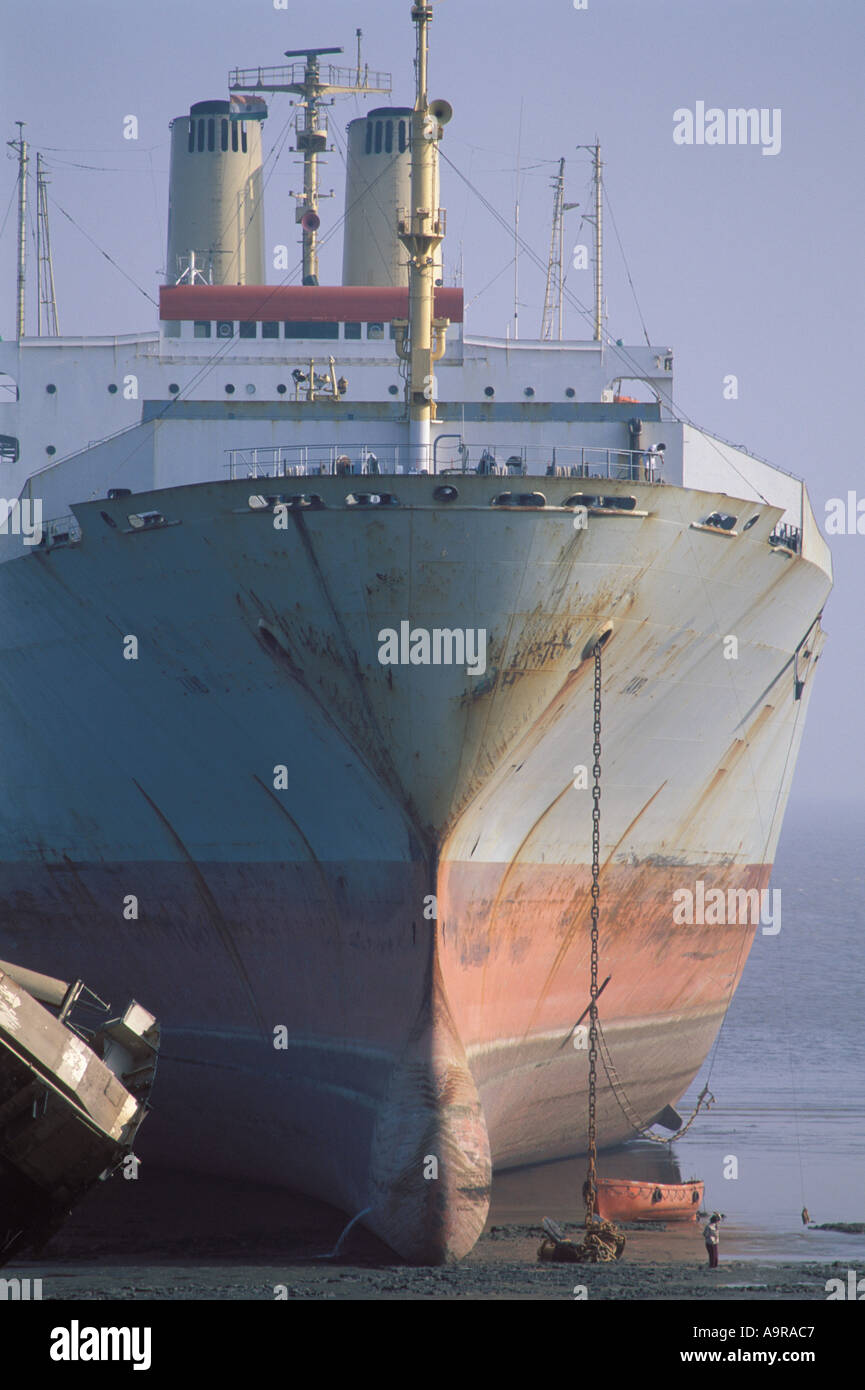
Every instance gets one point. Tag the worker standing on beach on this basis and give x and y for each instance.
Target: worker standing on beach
(711, 1235)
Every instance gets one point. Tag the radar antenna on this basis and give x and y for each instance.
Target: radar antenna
(313, 84)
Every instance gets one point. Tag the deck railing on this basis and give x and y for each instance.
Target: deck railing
(450, 455)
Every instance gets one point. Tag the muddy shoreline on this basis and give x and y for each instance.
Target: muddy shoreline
(166, 1237)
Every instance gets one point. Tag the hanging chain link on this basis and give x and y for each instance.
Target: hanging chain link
(590, 1188)
(602, 1240)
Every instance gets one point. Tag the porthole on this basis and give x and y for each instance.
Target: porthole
(109, 520)
(570, 392)
(445, 494)
(229, 389)
(113, 388)
(250, 389)
(51, 388)
(50, 450)
(520, 499)
(282, 388)
(394, 390)
(489, 390)
(751, 522)
(529, 391)
(174, 388)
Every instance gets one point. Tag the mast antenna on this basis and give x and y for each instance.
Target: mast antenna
(598, 224)
(47, 297)
(554, 295)
(313, 84)
(599, 245)
(517, 227)
(21, 146)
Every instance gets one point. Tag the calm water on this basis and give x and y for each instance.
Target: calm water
(788, 1070)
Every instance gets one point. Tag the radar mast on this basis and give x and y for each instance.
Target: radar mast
(313, 84)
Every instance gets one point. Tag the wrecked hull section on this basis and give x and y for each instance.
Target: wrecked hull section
(71, 1103)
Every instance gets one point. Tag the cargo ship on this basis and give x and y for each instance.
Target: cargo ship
(299, 600)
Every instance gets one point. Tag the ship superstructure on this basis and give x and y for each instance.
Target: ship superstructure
(298, 662)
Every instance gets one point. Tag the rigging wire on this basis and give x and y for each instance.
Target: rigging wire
(627, 267)
(224, 349)
(490, 283)
(104, 253)
(8, 209)
(617, 348)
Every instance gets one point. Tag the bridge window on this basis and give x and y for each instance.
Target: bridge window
(375, 332)
(8, 389)
(369, 137)
(201, 329)
(378, 135)
(311, 330)
(243, 136)
(211, 134)
(352, 331)
(388, 137)
(234, 136)
(191, 145)
(223, 134)
(248, 330)
(402, 138)
(270, 329)
(200, 136)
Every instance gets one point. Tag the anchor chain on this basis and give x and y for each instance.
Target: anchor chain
(591, 1178)
(602, 1240)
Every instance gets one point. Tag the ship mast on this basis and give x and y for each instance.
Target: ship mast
(553, 293)
(599, 246)
(421, 231)
(46, 293)
(597, 222)
(21, 146)
(313, 85)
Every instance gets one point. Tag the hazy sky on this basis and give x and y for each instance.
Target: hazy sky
(745, 263)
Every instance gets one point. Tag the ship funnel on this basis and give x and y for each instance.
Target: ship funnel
(378, 184)
(215, 209)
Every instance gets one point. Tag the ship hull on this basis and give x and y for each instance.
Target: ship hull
(370, 969)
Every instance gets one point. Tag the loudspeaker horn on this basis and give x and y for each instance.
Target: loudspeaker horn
(442, 111)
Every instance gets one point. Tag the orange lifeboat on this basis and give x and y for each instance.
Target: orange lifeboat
(620, 1199)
